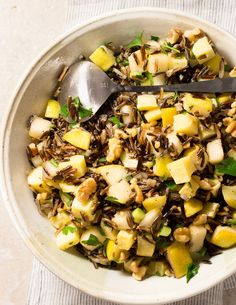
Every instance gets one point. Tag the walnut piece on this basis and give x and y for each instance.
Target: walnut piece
(114, 149)
(182, 235)
(86, 189)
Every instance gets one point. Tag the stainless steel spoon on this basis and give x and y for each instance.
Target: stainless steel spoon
(93, 86)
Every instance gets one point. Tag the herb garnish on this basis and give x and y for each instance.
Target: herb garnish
(170, 185)
(192, 271)
(102, 159)
(227, 68)
(227, 166)
(167, 47)
(64, 111)
(92, 241)
(137, 41)
(54, 162)
(162, 242)
(116, 121)
(84, 113)
(112, 199)
(149, 77)
(66, 198)
(155, 38)
(231, 221)
(68, 229)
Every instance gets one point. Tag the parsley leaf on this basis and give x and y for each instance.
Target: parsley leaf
(149, 77)
(170, 185)
(68, 229)
(176, 95)
(72, 125)
(137, 41)
(167, 47)
(128, 178)
(64, 111)
(84, 113)
(112, 199)
(92, 241)
(155, 38)
(66, 198)
(102, 159)
(192, 271)
(231, 221)
(76, 102)
(162, 242)
(116, 121)
(227, 68)
(54, 162)
(227, 166)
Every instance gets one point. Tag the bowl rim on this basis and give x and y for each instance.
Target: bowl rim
(5, 181)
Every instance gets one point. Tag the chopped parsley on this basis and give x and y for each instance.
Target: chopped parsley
(227, 68)
(137, 41)
(162, 242)
(227, 166)
(64, 111)
(84, 113)
(68, 229)
(192, 271)
(167, 47)
(54, 162)
(149, 77)
(112, 199)
(155, 38)
(92, 241)
(102, 159)
(66, 198)
(128, 178)
(170, 185)
(115, 120)
(231, 221)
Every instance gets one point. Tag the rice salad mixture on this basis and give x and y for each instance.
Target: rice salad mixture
(148, 184)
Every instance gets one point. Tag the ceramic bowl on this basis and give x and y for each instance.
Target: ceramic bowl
(30, 98)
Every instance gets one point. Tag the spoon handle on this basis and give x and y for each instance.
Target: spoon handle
(211, 86)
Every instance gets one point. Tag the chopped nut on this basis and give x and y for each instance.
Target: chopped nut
(86, 189)
(173, 35)
(139, 194)
(182, 235)
(231, 127)
(120, 134)
(103, 136)
(114, 149)
(140, 274)
(200, 220)
(193, 35)
(227, 121)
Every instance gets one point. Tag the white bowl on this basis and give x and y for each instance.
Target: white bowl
(30, 97)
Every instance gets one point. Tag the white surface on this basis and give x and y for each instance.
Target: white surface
(26, 27)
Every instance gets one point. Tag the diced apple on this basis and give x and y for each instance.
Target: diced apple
(229, 194)
(177, 63)
(137, 61)
(92, 238)
(181, 170)
(128, 161)
(215, 151)
(125, 239)
(206, 133)
(109, 232)
(189, 189)
(224, 237)
(157, 63)
(53, 109)
(113, 252)
(67, 188)
(186, 124)
(197, 237)
(210, 209)
(77, 162)
(214, 63)
(78, 137)
(39, 127)
(179, 258)
(153, 115)
(121, 191)
(112, 173)
(138, 215)
(103, 58)
(36, 182)
(232, 153)
(145, 247)
(84, 209)
(60, 220)
(224, 98)
(160, 168)
(68, 237)
(157, 268)
(146, 102)
(200, 106)
(167, 115)
(154, 202)
(202, 50)
(192, 206)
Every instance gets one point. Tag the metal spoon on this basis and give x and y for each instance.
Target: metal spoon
(93, 86)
